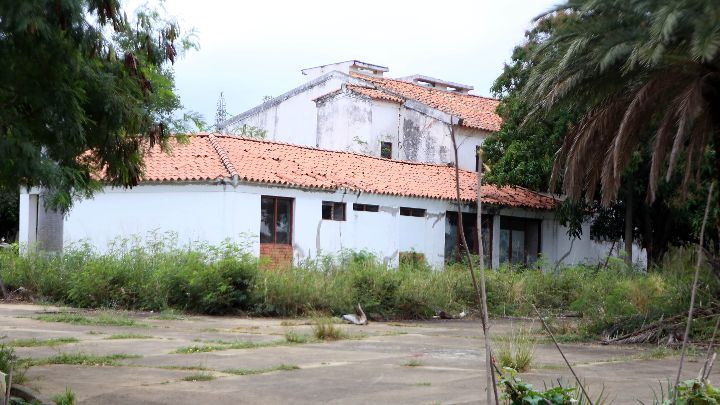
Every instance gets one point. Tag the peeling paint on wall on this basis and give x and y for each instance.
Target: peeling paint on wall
(443, 153)
(411, 139)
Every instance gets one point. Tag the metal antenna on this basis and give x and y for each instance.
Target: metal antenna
(221, 114)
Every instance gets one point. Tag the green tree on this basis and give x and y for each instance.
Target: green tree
(523, 151)
(650, 71)
(82, 91)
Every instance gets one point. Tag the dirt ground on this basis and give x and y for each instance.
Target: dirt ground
(434, 362)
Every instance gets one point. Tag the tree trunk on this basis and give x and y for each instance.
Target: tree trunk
(628, 239)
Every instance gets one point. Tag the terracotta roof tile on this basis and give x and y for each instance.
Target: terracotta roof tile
(374, 93)
(298, 166)
(476, 112)
(195, 161)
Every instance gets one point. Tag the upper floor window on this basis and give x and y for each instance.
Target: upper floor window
(276, 220)
(412, 212)
(477, 158)
(334, 211)
(386, 150)
(366, 207)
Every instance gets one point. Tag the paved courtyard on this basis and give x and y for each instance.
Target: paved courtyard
(432, 362)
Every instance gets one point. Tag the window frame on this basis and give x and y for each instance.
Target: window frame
(366, 207)
(333, 207)
(511, 224)
(413, 212)
(386, 146)
(274, 222)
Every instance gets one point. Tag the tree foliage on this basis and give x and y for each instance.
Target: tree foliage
(650, 71)
(522, 153)
(83, 90)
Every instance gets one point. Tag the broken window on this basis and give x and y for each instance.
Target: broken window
(412, 212)
(386, 150)
(334, 211)
(366, 207)
(519, 240)
(275, 220)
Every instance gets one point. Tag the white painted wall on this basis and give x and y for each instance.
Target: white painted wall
(292, 118)
(213, 213)
(350, 122)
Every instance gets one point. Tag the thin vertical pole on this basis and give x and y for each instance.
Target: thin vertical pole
(486, 319)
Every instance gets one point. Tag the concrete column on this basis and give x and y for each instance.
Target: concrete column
(496, 242)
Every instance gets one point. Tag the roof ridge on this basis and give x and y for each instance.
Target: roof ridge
(327, 150)
(222, 154)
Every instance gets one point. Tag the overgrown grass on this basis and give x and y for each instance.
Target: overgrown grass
(102, 319)
(325, 329)
(517, 350)
(82, 359)
(199, 377)
(170, 315)
(251, 371)
(35, 342)
(8, 361)
(158, 274)
(66, 398)
(293, 337)
(226, 345)
(122, 336)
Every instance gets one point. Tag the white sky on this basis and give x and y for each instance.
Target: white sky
(250, 49)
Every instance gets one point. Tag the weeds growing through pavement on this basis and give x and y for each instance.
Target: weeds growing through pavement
(35, 342)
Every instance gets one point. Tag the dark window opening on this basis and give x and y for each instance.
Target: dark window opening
(276, 220)
(366, 207)
(334, 211)
(519, 240)
(453, 244)
(412, 212)
(477, 158)
(386, 150)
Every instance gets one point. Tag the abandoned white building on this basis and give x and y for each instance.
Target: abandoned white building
(289, 202)
(350, 106)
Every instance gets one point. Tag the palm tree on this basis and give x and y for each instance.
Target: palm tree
(649, 73)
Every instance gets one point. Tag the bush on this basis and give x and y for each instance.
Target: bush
(151, 274)
(157, 274)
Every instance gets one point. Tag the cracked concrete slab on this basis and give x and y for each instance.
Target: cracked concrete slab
(448, 359)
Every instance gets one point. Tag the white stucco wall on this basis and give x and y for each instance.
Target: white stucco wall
(350, 122)
(292, 117)
(195, 212)
(214, 213)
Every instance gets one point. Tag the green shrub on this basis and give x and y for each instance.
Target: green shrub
(157, 274)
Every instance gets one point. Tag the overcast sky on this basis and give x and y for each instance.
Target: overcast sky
(252, 49)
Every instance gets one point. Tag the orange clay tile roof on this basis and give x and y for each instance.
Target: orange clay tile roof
(374, 93)
(210, 157)
(195, 161)
(476, 112)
